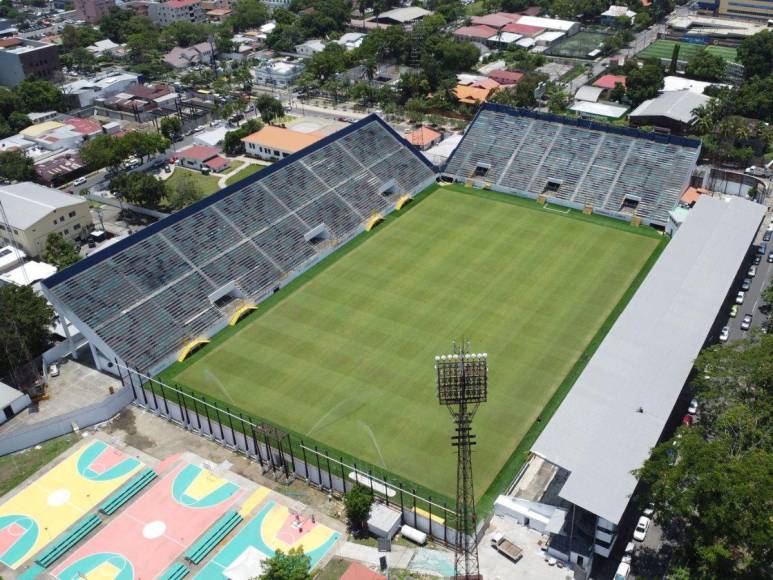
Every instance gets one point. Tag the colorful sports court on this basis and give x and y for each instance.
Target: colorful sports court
(46, 507)
(273, 528)
(143, 540)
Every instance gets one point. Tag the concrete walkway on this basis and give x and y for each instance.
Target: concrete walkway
(246, 161)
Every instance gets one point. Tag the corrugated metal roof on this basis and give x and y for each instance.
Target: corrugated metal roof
(617, 409)
(676, 105)
(27, 203)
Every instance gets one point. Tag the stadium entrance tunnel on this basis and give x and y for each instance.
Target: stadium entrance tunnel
(319, 234)
(191, 347)
(226, 294)
(388, 189)
(373, 221)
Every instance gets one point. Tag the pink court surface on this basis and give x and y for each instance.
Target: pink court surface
(32, 518)
(143, 540)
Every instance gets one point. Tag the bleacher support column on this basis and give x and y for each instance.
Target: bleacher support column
(73, 351)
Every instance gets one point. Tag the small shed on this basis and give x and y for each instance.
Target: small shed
(383, 521)
(12, 402)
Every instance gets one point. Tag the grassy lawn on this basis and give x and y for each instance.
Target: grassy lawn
(17, 467)
(235, 164)
(242, 173)
(207, 183)
(347, 357)
(663, 49)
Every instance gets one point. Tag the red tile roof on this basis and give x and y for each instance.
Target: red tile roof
(506, 77)
(524, 29)
(216, 163)
(494, 20)
(8, 42)
(181, 3)
(357, 571)
(482, 32)
(199, 152)
(84, 126)
(422, 136)
(609, 81)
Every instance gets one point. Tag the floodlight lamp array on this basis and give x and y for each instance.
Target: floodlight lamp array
(462, 378)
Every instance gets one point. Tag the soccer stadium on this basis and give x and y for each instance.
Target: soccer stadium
(314, 295)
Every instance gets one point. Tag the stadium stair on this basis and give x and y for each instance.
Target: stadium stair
(34, 571)
(204, 545)
(175, 572)
(128, 491)
(71, 537)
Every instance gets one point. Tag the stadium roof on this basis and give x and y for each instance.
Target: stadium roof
(27, 203)
(617, 409)
(675, 105)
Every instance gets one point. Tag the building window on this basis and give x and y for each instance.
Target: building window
(61, 218)
(76, 227)
(66, 231)
(71, 214)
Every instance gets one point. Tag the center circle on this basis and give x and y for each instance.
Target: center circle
(153, 530)
(59, 497)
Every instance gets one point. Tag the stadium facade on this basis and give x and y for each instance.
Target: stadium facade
(615, 171)
(140, 301)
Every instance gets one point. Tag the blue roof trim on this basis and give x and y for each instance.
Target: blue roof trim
(160, 225)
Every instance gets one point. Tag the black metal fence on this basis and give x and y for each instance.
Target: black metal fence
(286, 456)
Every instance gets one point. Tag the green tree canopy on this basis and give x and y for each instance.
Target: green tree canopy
(24, 332)
(248, 14)
(37, 95)
(522, 95)
(357, 504)
(118, 25)
(232, 142)
(294, 565)
(711, 483)
(139, 189)
(185, 191)
(706, 66)
(644, 82)
(269, 107)
(171, 126)
(755, 53)
(16, 166)
(60, 251)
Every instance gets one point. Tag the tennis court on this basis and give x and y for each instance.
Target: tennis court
(34, 517)
(156, 529)
(578, 45)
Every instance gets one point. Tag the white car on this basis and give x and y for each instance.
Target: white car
(79, 181)
(53, 370)
(623, 570)
(693, 408)
(746, 323)
(739, 297)
(628, 553)
(752, 271)
(641, 529)
(725, 334)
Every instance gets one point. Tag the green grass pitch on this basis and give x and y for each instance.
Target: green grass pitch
(663, 49)
(347, 358)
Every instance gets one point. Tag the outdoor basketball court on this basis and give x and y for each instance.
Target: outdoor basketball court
(274, 527)
(156, 529)
(35, 516)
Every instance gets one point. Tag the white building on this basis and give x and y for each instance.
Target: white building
(569, 27)
(166, 13)
(34, 211)
(310, 47)
(351, 40)
(85, 91)
(272, 143)
(12, 402)
(278, 73)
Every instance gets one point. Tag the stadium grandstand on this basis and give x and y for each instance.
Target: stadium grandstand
(143, 299)
(615, 171)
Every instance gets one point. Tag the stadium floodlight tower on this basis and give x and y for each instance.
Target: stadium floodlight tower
(462, 385)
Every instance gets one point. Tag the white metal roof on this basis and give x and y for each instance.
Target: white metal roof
(28, 273)
(8, 395)
(598, 433)
(27, 203)
(548, 23)
(588, 93)
(599, 109)
(676, 105)
(404, 14)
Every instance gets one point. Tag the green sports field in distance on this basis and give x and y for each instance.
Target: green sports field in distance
(663, 49)
(347, 358)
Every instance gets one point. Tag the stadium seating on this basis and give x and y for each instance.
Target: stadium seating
(149, 295)
(576, 161)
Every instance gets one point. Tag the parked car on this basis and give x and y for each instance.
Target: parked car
(724, 334)
(746, 323)
(762, 249)
(740, 296)
(766, 236)
(746, 284)
(757, 259)
(687, 421)
(623, 571)
(79, 181)
(756, 171)
(770, 258)
(734, 311)
(693, 408)
(752, 271)
(53, 370)
(628, 553)
(641, 528)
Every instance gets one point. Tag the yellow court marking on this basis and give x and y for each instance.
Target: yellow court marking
(105, 571)
(204, 484)
(59, 498)
(272, 525)
(256, 498)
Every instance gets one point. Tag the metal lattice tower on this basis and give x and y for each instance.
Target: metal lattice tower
(462, 385)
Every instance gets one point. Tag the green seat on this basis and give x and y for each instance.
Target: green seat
(128, 491)
(74, 535)
(206, 543)
(175, 572)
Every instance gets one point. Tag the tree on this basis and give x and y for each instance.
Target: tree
(674, 59)
(171, 127)
(118, 25)
(711, 482)
(139, 188)
(16, 166)
(184, 192)
(248, 14)
(644, 82)
(294, 565)
(232, 142)
(706, 66)
(60, 251)
(143, 144)
(755, 53)
(269, 107)
(357, 504)
(37, 95)
(24, 332)
(522, 95)
(185, 33)
(102, 151)
(617, 94)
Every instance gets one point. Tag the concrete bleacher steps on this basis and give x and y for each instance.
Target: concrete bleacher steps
(128, 491)
(204, 545)
(66, 542)
(149, 295)
(578, 162)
